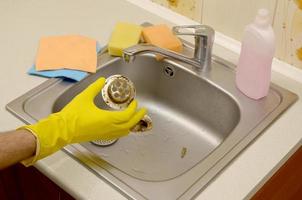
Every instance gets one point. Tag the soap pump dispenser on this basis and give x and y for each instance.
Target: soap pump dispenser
(258, 47)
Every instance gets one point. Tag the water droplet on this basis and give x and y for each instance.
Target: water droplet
(103, 155)
(166, 139)
(138, 170)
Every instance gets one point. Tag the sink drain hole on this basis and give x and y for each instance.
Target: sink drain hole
(143, 125)
(169, 71)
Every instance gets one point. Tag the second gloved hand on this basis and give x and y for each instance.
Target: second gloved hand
(82, 121)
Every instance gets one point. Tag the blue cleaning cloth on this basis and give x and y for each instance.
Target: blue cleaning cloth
(62, 73)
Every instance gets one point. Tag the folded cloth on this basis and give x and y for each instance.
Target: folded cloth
(66, 52)
(62, 73)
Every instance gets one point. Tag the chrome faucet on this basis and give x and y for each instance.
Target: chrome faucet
(204, 39)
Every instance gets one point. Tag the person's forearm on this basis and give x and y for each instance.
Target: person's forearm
(16, 146)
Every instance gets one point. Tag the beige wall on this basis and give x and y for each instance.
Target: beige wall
(231, 16)
(288, 27)
(189, 8)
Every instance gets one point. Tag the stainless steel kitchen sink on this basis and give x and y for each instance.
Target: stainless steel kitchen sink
(200, 123)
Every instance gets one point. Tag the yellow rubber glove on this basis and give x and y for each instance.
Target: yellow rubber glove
(81, 121)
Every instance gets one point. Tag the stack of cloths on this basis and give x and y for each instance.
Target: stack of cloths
(70, 56)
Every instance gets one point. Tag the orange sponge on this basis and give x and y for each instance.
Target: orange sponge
(162, 36)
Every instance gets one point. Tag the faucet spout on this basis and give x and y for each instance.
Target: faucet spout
(130, 53)
(204, 37)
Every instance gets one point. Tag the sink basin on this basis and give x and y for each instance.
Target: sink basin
(200, 123)
(186, 111)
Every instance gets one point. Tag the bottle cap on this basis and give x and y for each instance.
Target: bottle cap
(262, 18)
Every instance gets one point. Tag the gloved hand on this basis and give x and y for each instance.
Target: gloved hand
(81, 121)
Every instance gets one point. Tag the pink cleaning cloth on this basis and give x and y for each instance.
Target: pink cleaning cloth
(67, 52)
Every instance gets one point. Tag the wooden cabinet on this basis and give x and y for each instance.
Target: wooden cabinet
(21, 183)
(286, 183)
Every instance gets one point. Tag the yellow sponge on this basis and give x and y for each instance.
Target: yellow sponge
(123, 36)
(162, 36)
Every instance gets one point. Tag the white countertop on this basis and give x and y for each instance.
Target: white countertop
(24, 22)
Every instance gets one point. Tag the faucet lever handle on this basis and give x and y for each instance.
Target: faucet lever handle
(204, 39)
(199, 30)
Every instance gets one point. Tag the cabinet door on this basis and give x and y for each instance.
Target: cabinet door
(35, 185)
(21, 183)
(9, 187)
(286, 183)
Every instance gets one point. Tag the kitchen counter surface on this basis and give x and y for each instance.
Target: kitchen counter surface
(24, 22)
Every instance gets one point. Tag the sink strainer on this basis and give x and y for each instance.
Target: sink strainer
(103, 143)
(117, 93)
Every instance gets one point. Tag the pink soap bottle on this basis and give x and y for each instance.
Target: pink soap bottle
(258, 47)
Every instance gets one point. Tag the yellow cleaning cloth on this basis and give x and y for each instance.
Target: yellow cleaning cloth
(123, 36)
(69, 52)
(162, 36)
